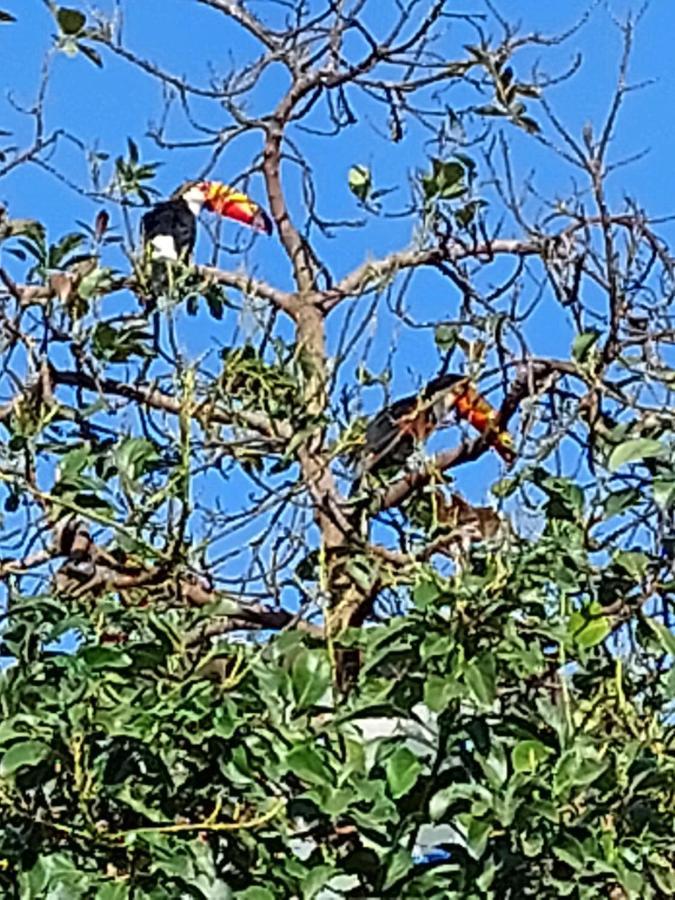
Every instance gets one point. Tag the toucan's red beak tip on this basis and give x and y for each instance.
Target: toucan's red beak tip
(262, 222)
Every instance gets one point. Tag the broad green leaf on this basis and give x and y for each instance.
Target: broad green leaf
(425, 593)
(443, 799)
(315, 880)
(25, 753)
(480, 677)
(632, 561)
(663, 874)
(113, 890)
(71, 21)
(135, 456)
(306, 763)
(664, 492)
(477, 833)
(310, 677)
(589, 627)
(255, 893)
(620, 501)
(527, 755)
(439, 691)
(634, 450)
(589, 770)
(572, 853)
(487, 876)
(399, 865)
(402, 769)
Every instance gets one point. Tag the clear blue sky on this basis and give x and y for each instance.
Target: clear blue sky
(106, 106)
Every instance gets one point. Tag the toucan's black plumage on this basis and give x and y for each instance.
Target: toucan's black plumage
(170, 228)
(396, 431)
(392, 435)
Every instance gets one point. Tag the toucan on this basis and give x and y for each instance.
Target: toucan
(169, 229)
(392, 436)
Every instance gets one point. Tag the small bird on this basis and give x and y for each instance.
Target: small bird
(396, 431)
(169, 229)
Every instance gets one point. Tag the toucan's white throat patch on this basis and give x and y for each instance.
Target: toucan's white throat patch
(164, 247)
(194, 197)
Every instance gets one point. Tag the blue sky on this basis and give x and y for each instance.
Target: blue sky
(104, 107)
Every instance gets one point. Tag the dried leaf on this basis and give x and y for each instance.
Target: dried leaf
(61, 285)
(101, 224)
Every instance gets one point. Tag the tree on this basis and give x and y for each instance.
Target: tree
(415, 670)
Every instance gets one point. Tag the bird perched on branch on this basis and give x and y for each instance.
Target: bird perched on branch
(169, 229)
(395, 432)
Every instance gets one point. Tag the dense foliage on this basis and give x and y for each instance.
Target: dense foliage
(237, 665)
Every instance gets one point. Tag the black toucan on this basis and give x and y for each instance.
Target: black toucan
(396, 431)
(169, 229)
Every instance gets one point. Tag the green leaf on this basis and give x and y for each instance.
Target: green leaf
(113, 890)
(480, 678)
(402, 769)
(663, 874)
(74, 463)
(566, 497)
(477, 834)
(92, 55)
(439, 691)
(360, 182)
(664, 492)
(399, 866)
(634, 450)
(527, 755)
(467, 213)
(530, 125)
(446, 180)
(136, 456)
(505, 487)
(665, 635)
(583, 343)
(632, 561)
(315, 880)
(255, 893)
(619, 501)
(489, 110)
(589, 627)
(106, 658)
(25, 753)
(425, 593)
(572, 853)
(445, 337)
(306, 763)
(310, 677)
(71, 21)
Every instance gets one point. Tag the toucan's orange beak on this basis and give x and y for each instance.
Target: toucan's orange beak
(232, 204)
(475, 410)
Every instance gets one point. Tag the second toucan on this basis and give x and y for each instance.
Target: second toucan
(395, 432)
